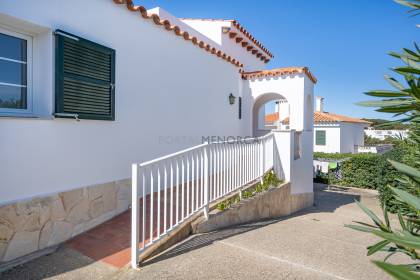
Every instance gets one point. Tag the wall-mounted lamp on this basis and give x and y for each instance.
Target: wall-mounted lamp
(232, 99)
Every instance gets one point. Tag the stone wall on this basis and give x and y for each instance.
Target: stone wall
(35, 224)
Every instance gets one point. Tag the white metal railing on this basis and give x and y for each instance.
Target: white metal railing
(168, 190)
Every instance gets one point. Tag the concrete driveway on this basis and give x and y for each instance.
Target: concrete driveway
(312, 244)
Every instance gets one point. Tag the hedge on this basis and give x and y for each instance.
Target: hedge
(320, 155)
(370, 171)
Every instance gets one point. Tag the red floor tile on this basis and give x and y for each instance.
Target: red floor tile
(110, 242)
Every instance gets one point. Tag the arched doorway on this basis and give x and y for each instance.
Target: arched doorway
(260, 123)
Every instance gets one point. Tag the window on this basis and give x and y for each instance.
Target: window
(320, 138)
(85, 77)
(15, 73)
(240, 107)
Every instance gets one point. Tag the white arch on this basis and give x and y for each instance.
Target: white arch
(296, 89)
(258, 103)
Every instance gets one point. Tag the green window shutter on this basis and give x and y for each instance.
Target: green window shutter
(320, 138)
(85, 78)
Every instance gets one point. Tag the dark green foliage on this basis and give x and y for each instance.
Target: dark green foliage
(404, 153)
(369, 171)
(322, 178)
(319, 155)
(404, 102)
(372, 171)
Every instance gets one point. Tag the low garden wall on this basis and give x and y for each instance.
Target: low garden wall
(272, 203)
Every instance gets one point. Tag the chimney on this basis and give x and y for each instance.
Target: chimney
(319, 105)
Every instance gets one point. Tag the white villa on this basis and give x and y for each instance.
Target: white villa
(87, 88)
(333, 133)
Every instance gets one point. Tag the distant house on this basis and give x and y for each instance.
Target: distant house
(386, 133)
(333, 133)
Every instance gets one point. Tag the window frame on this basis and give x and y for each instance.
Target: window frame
(29, 72)
(325, 137)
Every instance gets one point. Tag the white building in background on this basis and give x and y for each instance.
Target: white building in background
(386, 133)
(81, 92)
(333, 133)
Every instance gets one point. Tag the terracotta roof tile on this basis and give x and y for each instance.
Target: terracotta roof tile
(279, 72)
(250, 37)
(235, 35)
(323, 117)
(177, 30)
(270, 118)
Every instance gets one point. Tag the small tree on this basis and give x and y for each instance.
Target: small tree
(403, 102)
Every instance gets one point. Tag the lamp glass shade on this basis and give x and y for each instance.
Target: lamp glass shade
(231, 99)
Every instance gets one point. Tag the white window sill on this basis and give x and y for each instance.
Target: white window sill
(24, 116)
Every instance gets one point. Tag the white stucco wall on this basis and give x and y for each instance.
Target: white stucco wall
(340, 137)
(332, 135)
(165, 15)
(352, 135)
(296, 170)
(298, 90)
(209, 28)
(160, 79)
(295, 88)
(213, 30)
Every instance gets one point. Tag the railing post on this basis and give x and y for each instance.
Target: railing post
(262, 159)
(206, 183)
(134, 218)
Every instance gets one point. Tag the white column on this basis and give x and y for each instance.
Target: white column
(283, 154)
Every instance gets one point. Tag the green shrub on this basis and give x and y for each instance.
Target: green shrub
(373, 171)
(368, 171)
(320, 155)
(322, 178)
(404, 152)
(269, 179)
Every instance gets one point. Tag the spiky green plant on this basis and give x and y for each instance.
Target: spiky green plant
(404, 102)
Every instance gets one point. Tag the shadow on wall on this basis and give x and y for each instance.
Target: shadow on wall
(325, 201)
(277, 165)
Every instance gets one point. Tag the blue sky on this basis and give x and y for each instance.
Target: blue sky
(344, 43)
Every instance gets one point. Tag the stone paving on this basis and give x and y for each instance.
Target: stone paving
(312, 244)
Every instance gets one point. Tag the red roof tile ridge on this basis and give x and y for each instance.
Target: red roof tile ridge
(252, 38)
(323, 117)
(342, 118)
(177, 30)
(248, 35)
(279, 72)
